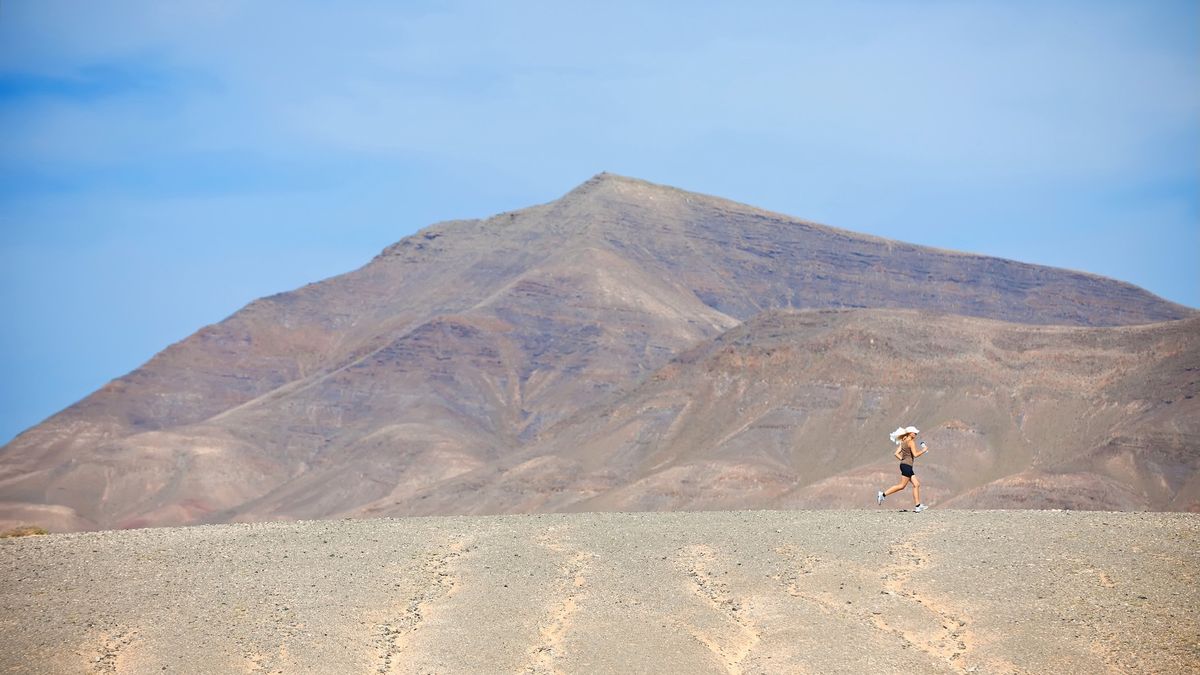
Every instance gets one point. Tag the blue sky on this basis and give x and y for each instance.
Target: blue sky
(164, 163)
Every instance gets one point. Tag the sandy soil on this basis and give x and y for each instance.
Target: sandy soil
(730, 592)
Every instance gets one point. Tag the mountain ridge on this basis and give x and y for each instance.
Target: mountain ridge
(605, 179)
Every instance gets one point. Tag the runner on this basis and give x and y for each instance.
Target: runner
(907, 450)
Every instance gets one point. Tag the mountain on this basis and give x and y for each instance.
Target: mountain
(467, 344)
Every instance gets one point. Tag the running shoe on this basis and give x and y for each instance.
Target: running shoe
(919, 508)
(879, 497)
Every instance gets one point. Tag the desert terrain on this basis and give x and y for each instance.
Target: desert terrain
(869, 591)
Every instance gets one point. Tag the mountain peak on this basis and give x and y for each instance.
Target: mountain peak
(604, 178)
(611, 184)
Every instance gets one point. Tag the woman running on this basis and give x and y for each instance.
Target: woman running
(907, 450)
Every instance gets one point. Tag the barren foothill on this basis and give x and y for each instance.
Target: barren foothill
(702, 592)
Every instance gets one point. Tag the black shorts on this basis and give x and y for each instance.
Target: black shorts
(906, 470)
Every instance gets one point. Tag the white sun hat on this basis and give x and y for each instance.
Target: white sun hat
(900, 431)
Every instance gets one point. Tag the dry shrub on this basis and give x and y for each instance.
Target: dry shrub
(23, 531)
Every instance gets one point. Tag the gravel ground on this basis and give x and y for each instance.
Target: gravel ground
(722, 592)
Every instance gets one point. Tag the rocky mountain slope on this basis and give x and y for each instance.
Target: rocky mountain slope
(792, 409)
(460, 347)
